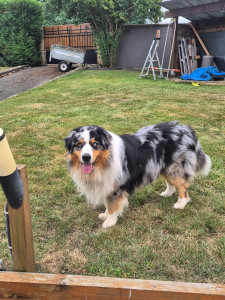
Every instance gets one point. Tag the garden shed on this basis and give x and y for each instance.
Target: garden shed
(208, 18)
(135, 42)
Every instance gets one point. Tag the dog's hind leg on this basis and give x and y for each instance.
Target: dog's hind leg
(170, 189)
(115, 207)
(182, 200)
(182, 188)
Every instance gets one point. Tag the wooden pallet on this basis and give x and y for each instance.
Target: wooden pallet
(188, 56)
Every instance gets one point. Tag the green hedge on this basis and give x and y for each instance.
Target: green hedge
(20, 34)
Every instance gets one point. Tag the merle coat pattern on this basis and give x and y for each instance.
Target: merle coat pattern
(108, 168)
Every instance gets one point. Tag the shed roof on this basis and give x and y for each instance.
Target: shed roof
(195, 10)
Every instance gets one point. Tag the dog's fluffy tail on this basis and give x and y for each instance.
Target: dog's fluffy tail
(203, 162)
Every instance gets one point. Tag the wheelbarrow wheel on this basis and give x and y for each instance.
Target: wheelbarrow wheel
(64, 66)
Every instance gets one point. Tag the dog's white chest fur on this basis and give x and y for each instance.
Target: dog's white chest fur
(100, 183)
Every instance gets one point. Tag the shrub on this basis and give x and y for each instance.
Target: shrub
(2, 62)
(20, 35)
(107, 47)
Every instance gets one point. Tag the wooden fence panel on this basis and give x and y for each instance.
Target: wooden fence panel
(80, 36)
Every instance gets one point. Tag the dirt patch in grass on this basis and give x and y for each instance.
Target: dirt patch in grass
(54, 261)
(36, 105)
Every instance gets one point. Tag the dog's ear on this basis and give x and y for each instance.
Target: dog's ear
(105, 138)
(101, 135)
(69, 142)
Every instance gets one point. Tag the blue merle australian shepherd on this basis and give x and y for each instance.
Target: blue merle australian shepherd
(108, 168)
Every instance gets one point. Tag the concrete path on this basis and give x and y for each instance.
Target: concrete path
(26, 79)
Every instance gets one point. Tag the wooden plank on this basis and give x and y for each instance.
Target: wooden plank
(215, 29)
(174, 47)
(181, 59)
(197, 9)
(215, 25)
(52, 286)
(199, 38)
(208, 83)
(21, 230)
(186, 54)
(195, 54)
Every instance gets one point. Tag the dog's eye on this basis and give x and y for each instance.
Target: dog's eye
(95, 145)
(78, 145)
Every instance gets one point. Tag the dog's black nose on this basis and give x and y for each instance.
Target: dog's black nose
(86, 158)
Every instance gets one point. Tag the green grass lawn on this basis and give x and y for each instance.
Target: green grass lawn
(152, 240)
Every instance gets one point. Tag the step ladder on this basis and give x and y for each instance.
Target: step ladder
(151, 58)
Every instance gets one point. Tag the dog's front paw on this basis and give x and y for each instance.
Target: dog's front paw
(103, 216)
(110, 221)
(181, 203)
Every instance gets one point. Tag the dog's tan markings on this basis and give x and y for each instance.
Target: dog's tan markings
(181, 184)
(100, 158)
(114, 208)
(81, 141)
(74, 159)
(115, 204)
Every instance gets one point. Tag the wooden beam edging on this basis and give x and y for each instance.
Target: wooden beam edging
(59, 286)
(208, 83)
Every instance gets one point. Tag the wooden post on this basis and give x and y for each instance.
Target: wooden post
(43, 52)
(157, 37)
(158, 34)
(21, 230)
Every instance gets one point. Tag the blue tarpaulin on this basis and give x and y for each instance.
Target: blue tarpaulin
(203, 74)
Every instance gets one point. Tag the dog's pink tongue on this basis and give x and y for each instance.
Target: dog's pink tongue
(87, 168)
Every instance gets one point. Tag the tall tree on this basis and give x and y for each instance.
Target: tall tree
(109, 17)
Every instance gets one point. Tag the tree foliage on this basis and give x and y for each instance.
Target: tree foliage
(55, 15)
(108, 18)
(20, 35)
(112, 15)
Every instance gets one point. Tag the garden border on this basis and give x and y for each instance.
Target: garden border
(12, 70)
(60, 286)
